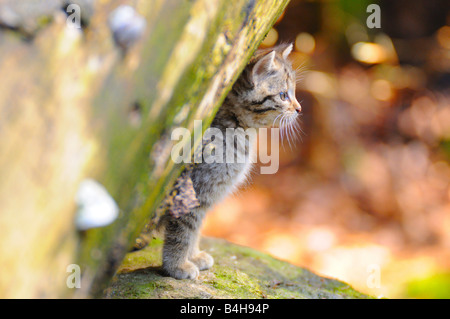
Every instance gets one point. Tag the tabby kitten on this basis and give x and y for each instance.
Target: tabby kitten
(263, 96)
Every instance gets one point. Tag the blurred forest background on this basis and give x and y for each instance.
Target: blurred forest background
(365, 192)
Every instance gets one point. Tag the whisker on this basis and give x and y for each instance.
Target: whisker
(276, 119)
(300, 126)
(279, 126)
(293, 134)
(300, 130)
(291, 129)
(297, 132)
(301, 68)
(295, 127)
(283, 132)
(288, 131)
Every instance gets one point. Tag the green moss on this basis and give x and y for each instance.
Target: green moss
(239, 272)
(151, 256)
(235, 283)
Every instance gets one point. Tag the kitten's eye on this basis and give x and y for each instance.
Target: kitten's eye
(283, 96)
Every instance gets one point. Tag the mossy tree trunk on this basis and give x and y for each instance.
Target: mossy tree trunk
(74, 106)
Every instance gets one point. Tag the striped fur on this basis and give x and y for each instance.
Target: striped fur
(254, 102)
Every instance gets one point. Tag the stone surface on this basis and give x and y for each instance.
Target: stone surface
(239, 272)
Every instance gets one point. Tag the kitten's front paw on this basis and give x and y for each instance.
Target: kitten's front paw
(186, 271)
(203, 260)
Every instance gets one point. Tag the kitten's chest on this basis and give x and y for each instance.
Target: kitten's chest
(214, 181)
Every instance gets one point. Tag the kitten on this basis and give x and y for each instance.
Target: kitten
(263, 94)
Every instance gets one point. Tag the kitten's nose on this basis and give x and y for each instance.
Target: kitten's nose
(297, 106)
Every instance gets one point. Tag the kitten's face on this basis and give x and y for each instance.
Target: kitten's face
(272, 100)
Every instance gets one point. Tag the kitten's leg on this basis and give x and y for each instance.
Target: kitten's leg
(180, 236)
(201, 259)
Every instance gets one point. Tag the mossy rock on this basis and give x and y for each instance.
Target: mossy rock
(238, 272)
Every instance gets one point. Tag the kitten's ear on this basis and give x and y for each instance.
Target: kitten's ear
(287, 51)
(265, 65)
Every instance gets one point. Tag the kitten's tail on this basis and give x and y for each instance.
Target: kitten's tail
(149, 233)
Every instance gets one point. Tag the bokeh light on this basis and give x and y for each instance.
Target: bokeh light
(368, 188)
(271, 38)
(305, 42)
